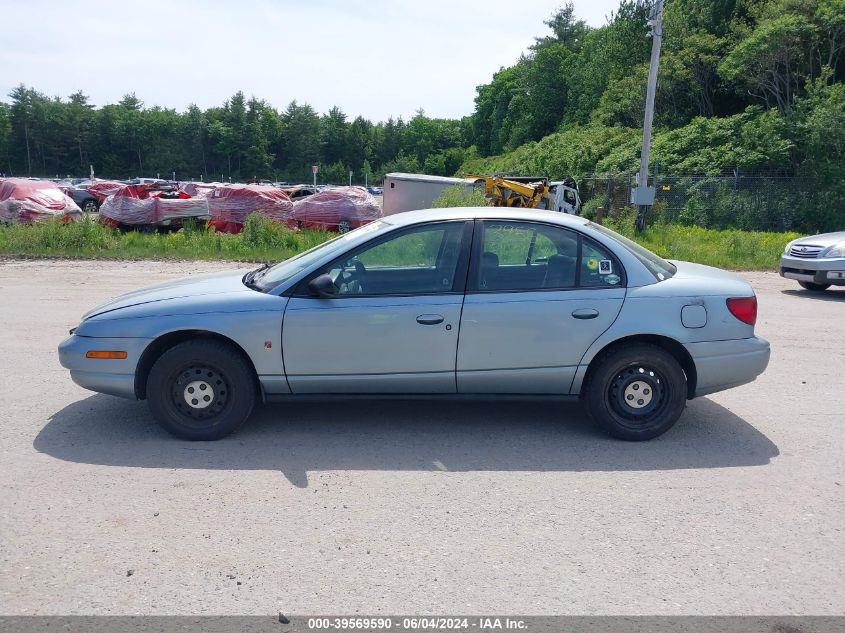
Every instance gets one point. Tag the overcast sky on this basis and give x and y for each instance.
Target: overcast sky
(375, 58)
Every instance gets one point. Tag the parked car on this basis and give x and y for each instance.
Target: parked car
(816, 262)
(338, 209)
(27, 200)
(151, 207)
(546, 304)
(84, 199)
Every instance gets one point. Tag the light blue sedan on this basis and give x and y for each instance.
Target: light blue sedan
(450, 303)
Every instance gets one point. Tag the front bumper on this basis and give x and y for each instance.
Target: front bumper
(816, 271)
(722, 365)
(114, 377)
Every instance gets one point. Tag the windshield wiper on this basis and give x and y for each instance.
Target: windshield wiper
(250, 278)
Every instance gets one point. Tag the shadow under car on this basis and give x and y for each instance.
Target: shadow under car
(455, 436)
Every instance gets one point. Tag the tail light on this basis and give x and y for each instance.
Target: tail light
(744, 309)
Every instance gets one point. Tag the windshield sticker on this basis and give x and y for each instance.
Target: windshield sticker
(592, 263)
(612, 279)
(605, 267)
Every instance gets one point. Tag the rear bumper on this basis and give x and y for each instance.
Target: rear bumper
(722, 365)
(815, 271)
(114, 377)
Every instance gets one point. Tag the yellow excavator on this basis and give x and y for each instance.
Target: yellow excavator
(531, 193)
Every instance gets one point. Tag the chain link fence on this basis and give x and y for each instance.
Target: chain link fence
(750, 202)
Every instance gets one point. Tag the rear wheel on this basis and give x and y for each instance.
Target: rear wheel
(636, 392)
(201, 390)
(809, 285)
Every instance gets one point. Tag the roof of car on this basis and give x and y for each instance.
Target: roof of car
(493, 213)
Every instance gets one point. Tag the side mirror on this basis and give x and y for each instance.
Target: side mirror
(322, 286)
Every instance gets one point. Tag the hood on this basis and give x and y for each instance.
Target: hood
(825, 239)
(195, 286)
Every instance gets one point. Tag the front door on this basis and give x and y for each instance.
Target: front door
(393, 325)
(537, 297)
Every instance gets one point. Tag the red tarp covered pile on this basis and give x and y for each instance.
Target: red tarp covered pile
(340, 208)
(139, 205)
(102, 189)
(197, 189)
(230, 204)
(23, 200)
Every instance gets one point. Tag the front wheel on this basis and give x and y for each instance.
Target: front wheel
(809, 285)
(344, 226)
(89, 206)
(201, 390)
(636, 392)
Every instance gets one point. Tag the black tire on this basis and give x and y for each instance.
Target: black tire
(809, 285)
(218, 373)
(89, 206)
(613, 387)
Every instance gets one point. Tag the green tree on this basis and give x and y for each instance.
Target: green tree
(301, 140)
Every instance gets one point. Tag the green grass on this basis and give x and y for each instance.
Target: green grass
(262, 240)
(730, 249)
(460, 196)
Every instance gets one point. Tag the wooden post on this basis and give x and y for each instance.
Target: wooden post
(599, 215)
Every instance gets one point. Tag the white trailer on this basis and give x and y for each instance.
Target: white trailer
(409, 192)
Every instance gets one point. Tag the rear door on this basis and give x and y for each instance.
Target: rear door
(393, 325)
(538, 295)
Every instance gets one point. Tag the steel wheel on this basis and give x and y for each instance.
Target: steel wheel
(635, 391)
(202, 389)
(637, 394)
(200, 394)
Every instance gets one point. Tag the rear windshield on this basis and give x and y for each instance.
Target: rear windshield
(658, 266)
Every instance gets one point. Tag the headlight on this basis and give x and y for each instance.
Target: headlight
(837, 250)
(787, 247)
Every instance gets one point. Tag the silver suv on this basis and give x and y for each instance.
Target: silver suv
(816, 262)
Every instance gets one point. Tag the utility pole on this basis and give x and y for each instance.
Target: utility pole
(643, 195)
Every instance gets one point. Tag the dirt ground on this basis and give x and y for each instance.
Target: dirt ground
(428, 508)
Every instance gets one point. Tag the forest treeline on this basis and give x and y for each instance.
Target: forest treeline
(748, 84)
(753, 85)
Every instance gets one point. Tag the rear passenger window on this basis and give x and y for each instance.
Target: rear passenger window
(598, 267)
(526, 256)
(529, 256)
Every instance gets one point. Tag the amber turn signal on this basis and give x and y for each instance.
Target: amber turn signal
(107, 354)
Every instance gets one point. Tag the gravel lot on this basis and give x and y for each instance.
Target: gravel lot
(417, 508)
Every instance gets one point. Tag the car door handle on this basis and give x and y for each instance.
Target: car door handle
(585, 313)
(430, 319)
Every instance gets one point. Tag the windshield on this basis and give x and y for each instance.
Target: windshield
(657, 266)
(281, 272)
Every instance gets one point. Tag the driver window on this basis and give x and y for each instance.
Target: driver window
(422, 260)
